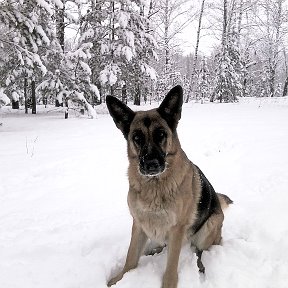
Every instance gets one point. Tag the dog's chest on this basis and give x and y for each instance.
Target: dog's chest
(154, 212)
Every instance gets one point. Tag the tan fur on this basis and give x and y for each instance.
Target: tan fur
(224, 201)
(164, 207)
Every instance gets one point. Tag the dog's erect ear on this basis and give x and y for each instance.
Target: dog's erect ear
(121, 114)
(171, 106)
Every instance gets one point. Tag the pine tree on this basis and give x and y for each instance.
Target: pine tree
(203, 83)
(122, 45)
(69, 75)
(229, 67)
(28, 32)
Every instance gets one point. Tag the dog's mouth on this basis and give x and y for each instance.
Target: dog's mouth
(152, 167)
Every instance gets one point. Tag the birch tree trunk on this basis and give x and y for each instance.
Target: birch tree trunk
(166, 37)
(276, 17)
(112, 38)
(285, 88)
(196, 51)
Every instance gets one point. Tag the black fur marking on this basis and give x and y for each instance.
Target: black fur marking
(208, 204)
(147, 122)
(138, 137)
(171, 106)
(159, 135)
(151, 160)
(199, 261)
(121, 114)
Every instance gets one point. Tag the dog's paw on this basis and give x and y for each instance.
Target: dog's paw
(153, 248)
(114, 280)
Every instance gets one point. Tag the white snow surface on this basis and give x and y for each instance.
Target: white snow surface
(64, 220)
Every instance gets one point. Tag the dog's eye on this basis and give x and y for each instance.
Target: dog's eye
(159, 136)
(138, 138)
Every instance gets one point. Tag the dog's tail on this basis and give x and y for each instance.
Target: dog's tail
(225, 201)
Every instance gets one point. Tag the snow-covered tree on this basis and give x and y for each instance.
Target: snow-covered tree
(26, 32)
(203, 83)
(273, 24)
(122, 44)
(4, 100)
(69, 75)
(229, 67)
(170, 18)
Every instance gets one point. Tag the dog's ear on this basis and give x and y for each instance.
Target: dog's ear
(121, 114)
(171, 106)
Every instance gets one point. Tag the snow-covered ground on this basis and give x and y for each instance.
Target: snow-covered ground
(64, 221)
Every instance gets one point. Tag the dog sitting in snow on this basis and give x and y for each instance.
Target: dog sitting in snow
(170, 199)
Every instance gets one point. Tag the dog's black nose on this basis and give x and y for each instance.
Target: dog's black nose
(151, 167)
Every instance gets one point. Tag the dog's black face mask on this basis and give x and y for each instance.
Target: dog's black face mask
(148, 131)
(151, 150)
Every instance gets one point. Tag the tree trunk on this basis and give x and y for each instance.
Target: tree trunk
(15, 104)
(33, 96)
(285, 89)
(222, 56)
(224, 33)
(58, 104)
(166, 38)
(224, 48)
(124, 94)
(239, 21)
(112, 90)
(272, 80)
(112, 39)
(274, 45)
(25, 95)
(196, 51)
(137, 96)
(60, 25)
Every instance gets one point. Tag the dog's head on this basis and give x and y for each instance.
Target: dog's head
(149, 134)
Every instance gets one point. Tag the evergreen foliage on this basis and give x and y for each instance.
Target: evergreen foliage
(116, 42)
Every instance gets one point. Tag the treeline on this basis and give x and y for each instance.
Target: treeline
(112, 49)
(250, 56)
(132, 49)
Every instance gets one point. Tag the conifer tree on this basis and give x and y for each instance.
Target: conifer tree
(229, 68)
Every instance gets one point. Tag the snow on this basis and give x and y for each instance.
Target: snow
(123, 19)
(87, 35)
(85, 67)
(38, 61)
(149, 71)
(95, 90)
(109, 74)
(58, 3)
(80, 96)
(41, 32)
(129, 37)
(4, 100)
(63, 185)
(15, 96)
(127, 51)
(45, 5)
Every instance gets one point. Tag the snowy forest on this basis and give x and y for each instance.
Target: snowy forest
(64, 218)
(60, 51)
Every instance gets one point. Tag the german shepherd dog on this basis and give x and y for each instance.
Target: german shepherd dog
(170, 199)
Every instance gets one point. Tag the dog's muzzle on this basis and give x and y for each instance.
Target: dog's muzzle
(152, 164)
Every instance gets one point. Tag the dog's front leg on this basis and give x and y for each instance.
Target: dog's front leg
(175, 238)
(136, 247)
